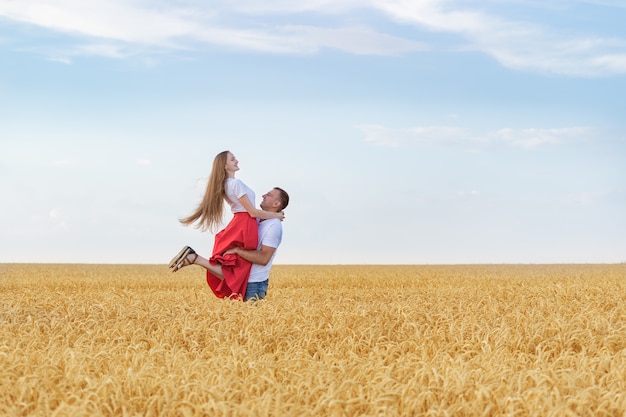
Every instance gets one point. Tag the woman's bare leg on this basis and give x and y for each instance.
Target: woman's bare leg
(204, 263)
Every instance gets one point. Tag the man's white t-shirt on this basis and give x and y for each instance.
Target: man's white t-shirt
(270, 234)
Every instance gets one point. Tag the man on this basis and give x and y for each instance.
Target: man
(270, 236)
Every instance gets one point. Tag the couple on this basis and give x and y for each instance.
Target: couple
(244, 250)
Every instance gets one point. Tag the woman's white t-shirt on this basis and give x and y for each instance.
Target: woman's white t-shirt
(235, 189)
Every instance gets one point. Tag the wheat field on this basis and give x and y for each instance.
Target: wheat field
(462, 340)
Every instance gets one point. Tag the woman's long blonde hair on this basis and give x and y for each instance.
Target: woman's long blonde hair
(211, 209)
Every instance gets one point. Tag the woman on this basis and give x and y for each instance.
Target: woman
(241, 231)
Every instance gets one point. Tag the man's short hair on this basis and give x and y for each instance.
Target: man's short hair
(284, 197)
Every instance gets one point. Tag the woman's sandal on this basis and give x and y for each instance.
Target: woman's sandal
(180, 260)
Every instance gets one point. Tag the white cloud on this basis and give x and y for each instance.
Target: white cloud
(302, 39)
(290, 6)
(143, 162)
(117, 20)
(609, 3)
(61, 59)
(455, 136)
(611, 63)
(175, 27)
(356, 40)
(56, 219)
(591, 197)
(119, 29)
(514, 43)
(436, 15)
(381, 135)
(102, 49)
(534, 137)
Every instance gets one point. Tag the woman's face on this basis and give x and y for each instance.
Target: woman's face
(232, 164)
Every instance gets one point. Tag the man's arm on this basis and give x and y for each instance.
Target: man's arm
(261, 257)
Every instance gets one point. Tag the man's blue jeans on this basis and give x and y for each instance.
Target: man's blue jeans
(256, 290)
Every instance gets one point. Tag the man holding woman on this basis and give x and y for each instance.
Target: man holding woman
(244, 241)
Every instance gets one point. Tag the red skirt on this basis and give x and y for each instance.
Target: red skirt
(241, 231)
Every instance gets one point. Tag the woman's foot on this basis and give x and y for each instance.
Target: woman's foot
(187, 256)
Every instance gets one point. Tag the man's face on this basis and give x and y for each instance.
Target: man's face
(271, 200)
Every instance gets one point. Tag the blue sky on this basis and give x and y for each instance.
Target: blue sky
(406, 132)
